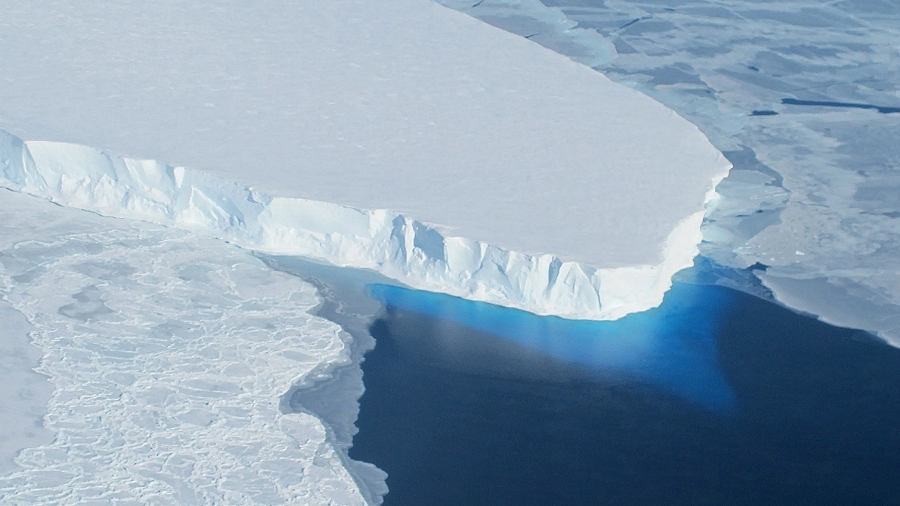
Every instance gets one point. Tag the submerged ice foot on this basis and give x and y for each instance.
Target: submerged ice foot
(672, 347)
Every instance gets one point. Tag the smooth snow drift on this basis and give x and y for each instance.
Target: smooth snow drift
(577, 196)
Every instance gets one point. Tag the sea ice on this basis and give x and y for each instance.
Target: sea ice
(23, 399)
(512, 174)
(169, 355)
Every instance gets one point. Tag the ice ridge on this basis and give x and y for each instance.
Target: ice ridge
(393, 244)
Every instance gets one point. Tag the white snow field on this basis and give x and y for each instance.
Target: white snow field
(815, 192)
(168, 354)
(398, 136)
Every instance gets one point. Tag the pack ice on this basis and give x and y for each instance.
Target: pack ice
(396, 136)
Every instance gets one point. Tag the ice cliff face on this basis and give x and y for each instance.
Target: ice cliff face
(395, 245)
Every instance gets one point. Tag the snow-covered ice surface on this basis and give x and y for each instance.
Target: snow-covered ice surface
(169, 355)
(24, 396)
(814, 191)
(534, 182)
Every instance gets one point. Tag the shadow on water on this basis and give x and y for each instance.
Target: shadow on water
(716, 397)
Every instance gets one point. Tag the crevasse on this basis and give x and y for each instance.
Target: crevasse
(392, 244)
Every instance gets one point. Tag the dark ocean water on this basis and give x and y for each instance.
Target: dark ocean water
(716, 397)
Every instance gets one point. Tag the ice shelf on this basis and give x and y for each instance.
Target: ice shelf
(512, 174)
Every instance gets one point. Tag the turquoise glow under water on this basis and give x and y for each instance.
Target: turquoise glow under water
(672, 347)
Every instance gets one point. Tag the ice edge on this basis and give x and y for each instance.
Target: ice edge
(390, 243)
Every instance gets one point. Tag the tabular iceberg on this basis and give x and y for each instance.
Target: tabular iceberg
(513, 174)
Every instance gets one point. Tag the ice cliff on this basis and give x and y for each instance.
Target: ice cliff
(391, 243)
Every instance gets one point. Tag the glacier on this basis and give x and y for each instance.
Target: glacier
(402, 137)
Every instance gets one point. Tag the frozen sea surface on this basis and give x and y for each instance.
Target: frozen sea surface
(813, 192)
(168, 355)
